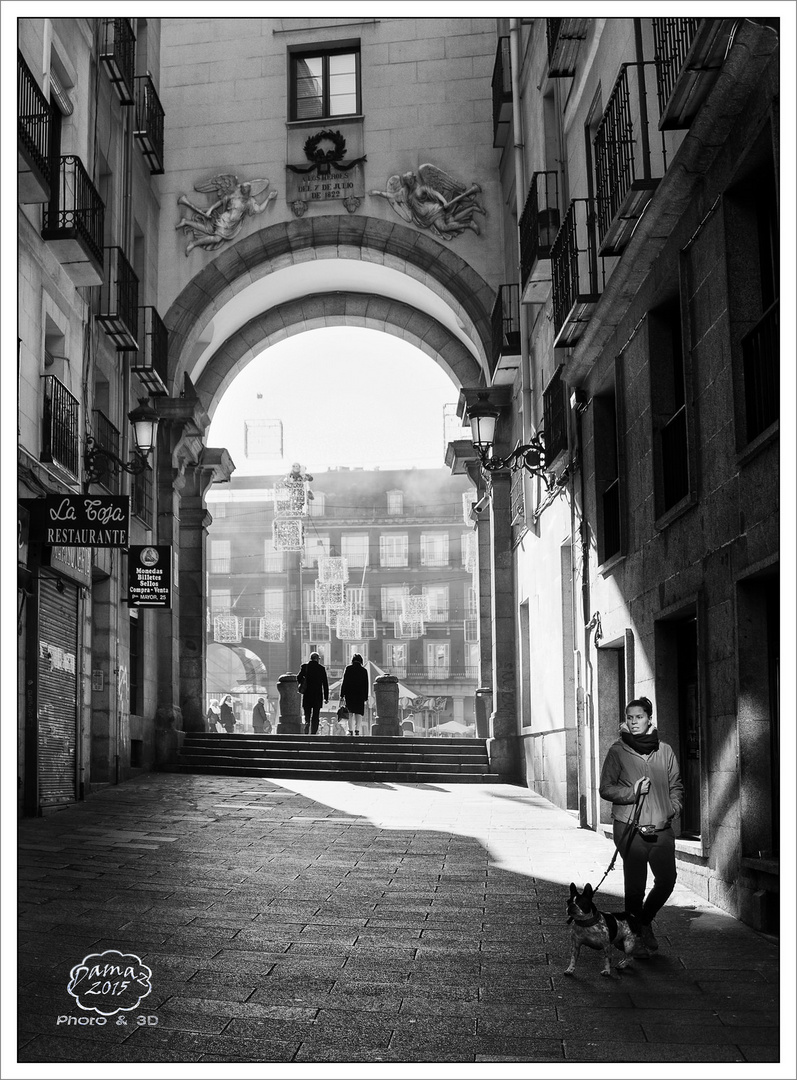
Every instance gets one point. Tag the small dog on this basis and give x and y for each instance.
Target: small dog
(599, 930)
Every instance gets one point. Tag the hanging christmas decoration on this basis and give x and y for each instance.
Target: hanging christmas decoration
(272, 628)
(329, 594)
(226, 629)
(288, 534)
(408, 628)
(332, 568)
(415, 607)
(349, 627)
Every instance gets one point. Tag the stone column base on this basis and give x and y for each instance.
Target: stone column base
(504, 754)
(289, 726)
(386, 727)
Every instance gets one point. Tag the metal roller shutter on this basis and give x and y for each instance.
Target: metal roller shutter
(57, 691)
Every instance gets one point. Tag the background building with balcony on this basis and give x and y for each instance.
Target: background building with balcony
(647, 350)
(410, 594)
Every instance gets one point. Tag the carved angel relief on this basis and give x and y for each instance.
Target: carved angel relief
(431, 199)
(223, 220)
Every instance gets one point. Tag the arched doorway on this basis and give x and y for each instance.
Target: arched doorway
(283, 280)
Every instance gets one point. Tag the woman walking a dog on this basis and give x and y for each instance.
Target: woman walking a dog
(641, 773)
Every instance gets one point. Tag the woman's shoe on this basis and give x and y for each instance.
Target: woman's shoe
(356, 733)
(649, 938)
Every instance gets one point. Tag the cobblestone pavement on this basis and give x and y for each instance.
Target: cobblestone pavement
(340, 922)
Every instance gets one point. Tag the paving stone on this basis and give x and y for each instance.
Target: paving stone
(654, 1052)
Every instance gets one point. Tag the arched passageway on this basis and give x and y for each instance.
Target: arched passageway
(280, 281)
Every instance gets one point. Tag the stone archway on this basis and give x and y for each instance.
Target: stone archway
(451, 322)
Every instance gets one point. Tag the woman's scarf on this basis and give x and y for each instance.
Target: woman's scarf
(643, 744)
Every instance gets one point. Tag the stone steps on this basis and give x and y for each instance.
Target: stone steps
(380, 759)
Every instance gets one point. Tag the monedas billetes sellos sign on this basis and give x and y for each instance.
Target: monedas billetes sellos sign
(101, 521)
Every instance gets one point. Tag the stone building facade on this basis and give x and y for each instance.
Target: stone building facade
(577, 219)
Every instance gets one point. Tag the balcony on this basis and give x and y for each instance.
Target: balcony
(688, 55)
(554, 418)
(60, 439)
(539, 224)
(107, 437)
(33, 164)
(118, 313)
(564, 40)
(117, 54)
(628, 167)
(761, 361)
(577, 283)
(151, 362)
(141, 499)
(472, 630)
(439, 673)
(148, 130)
(73, 223)
(506, 333)
(502, 93)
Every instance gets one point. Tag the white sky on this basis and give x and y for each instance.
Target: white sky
(346, 396)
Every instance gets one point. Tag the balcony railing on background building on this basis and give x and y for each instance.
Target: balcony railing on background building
(148, 130)
(506, 324)
(675, 459)
(152, 357)
(430, 672)
(141, 498)
(76, 212)
(574, 268)
(118, 310)
(554, 417)
(611, 520)
(689, 54)
(34, 134)
(538, 226)
(502, 92)
(761, 361)
(60, 416)
(628, 167)
(564, 40)
(118, 55)
(107, 437)
(671, 41)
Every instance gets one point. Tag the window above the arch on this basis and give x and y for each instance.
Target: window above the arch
(325, 83)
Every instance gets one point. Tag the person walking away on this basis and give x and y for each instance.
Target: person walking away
(261, 722)
(354, 691)
(227, 714)
(315, 693)
(640, 767)
(214, 716)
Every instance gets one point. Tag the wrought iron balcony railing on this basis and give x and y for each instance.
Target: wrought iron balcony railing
(564, 40)
(554, 417)
(761, 362)
(60, 416)
(506, 325)
(34, 137)
(74, 221)
(107, 437)
(151, 361)
(117, 53)
(502, 92)
(628, 166)
(428, 672)
(148, 130)
(577, 283)
(674, 460)
(118, 312)
(538, 226)
(689, 54)
(141, 497)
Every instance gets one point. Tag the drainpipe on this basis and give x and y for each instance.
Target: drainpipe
(520, 198)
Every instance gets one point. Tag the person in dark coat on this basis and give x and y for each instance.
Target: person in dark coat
(315, 692)
(354, 690)
(227, 714)
(260, 717)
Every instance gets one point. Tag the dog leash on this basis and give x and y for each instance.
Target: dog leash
(632, 824)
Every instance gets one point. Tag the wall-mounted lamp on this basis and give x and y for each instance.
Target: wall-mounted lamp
(530, 456)
(98, 461)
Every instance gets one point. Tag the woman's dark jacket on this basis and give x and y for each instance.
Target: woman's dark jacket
(227, 717)
(354, 688)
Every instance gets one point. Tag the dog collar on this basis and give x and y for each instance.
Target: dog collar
(589, 922)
